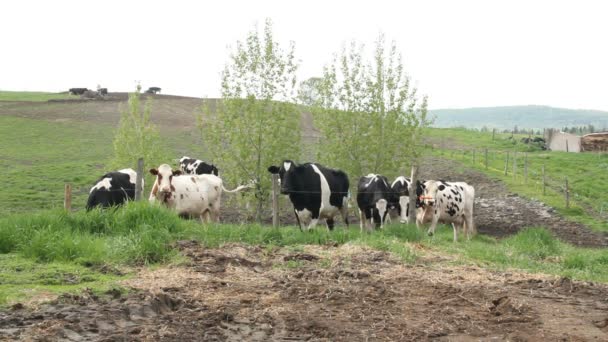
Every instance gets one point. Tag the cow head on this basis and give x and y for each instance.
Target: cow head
(428, 194)
(164, 175)
(286, 174)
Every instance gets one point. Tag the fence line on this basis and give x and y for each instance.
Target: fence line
(539, 178)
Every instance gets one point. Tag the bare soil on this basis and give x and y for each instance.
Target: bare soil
(346, 293)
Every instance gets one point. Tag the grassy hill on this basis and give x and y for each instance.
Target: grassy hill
(48, 144)
(535, 117)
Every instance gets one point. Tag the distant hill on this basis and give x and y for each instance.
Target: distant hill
(535, 117)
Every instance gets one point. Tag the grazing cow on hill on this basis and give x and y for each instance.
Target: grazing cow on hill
(77, 91)
(153, 90)
(193, 166)
(315, 191)
(103, 91)
(373, 193)
(189, 195)
(113, 189)
(448, 203)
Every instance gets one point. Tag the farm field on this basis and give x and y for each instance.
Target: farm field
(586, 172)
(142, 273)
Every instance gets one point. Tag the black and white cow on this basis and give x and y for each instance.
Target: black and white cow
(77, 91)
(399, 198)
(191, 166)
(315, 191)
(449, 203)
(113, 189)
(373, 193)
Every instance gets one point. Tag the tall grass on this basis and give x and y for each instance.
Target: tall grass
(533, 250)
(139, 233)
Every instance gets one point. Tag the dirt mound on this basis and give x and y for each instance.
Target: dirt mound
(347, 293)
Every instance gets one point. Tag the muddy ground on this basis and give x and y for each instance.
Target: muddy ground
(320, 293)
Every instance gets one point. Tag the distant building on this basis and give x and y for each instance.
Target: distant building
(561, 141)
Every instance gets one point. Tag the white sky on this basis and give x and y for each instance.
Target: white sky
(459, 53)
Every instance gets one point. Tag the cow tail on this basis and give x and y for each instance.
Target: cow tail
(238, 188)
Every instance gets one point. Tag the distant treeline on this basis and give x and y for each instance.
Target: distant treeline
(523, 117)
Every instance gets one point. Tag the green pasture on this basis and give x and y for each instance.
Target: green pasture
(55, 251)
(587, 173)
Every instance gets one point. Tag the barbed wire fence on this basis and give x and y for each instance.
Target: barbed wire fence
(532, 170)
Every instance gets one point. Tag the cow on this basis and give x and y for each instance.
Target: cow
(399, 198)
(373, 193)
(189, 195)
(103, 91)
(315, 191)
(77, 91)
(449, 203)
(153, 90)
(191, 166)
(113, 189)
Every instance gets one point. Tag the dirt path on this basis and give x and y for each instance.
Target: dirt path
(346, 293)
(500, 213)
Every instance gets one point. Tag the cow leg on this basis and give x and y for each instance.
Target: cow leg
(313, 223)
(431, 230)
(455, 227)
(330, 223)
(362, 220)
(297, 219)
(344, 213)
(470, 226)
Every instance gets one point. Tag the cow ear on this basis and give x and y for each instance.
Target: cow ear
(273, 169)
(177, 172)
(154, 171)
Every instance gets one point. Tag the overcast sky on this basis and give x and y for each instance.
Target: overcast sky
(459, 53)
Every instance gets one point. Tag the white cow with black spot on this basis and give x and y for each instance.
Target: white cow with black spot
(449, 203)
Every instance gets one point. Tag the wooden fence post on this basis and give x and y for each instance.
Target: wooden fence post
(526, 168)
(544, 180)
(567, 194)
(507, 163)
(514, 164)
(486, 157)
(67, 199)
(275, 200)
(139, 179)
(567, 149)
(414, 179)
(493, 133)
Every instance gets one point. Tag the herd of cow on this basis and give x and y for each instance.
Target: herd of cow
(316, 192)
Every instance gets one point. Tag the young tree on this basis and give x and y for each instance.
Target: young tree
(256, 124)
(369, 115)
(136, 137)
(308, 92)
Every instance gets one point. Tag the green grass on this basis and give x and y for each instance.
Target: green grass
(22, 278)
(54, 251)
(587, 173)
(444, 137)
(35, 96)
(37, 158)
(532, 250)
